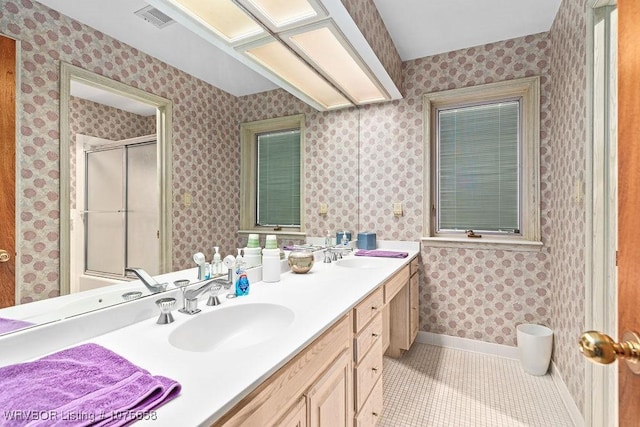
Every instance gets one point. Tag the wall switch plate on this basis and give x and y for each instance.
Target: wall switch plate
(323, 209)
(186, 199)
(397, 209)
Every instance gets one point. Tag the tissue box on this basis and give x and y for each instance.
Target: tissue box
(366, 240)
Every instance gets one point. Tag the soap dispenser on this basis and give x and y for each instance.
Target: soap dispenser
(216, 263)
(345, 239)
(242, 282)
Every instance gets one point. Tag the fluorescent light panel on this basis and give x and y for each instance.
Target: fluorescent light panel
(224, 18)
(329, 53)
(282, 13)
(285, 64)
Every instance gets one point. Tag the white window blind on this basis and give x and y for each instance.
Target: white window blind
(278, 183)
(478, 168)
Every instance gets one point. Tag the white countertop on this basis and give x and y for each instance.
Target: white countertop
(213, 382)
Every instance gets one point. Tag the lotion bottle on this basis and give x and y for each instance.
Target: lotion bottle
(216, 264)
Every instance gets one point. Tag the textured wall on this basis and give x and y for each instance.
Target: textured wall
(568, 41)
(93, 119)
(204, 117)
(478, 294)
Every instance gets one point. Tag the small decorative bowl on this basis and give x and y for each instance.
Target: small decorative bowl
(300, 261)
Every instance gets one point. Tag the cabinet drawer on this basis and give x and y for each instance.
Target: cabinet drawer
(368, 371)
(367, 309)
(414, 266)
(372, 408)
(367, 337)
(394, 284)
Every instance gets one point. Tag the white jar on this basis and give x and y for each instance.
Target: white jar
(271, 265)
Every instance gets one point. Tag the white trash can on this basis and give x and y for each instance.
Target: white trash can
(534, 348)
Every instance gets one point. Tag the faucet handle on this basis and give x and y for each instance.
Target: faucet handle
(166, 306)
(213, 295)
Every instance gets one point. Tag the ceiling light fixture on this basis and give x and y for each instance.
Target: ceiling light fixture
(294, 43)
(287, 65)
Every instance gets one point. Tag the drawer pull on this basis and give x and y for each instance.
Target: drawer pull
(374, 308)
(374, 369)
(375, 335)
(375, 414)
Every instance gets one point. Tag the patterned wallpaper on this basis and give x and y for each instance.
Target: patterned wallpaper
(478, 294)
(568, 60)
(205, 149)
(93, 119)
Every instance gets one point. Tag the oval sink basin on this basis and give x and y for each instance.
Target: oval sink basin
(361, 262)
(233, 328)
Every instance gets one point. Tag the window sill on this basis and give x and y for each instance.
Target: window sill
(482, 243)
(286, 234)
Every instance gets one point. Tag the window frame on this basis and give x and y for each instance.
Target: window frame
(528, 91)
(248, 173)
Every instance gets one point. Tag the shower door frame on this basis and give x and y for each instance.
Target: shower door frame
(81, 179)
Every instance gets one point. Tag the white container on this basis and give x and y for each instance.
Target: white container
(534, 348)
(252, 257)
(271, 265)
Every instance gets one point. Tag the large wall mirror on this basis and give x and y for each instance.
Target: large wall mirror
(115, 195)
(115, 190)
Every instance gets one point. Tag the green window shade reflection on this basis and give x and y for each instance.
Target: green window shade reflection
(279, 179)
(478, 168)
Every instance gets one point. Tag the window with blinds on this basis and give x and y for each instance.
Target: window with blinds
(278, 178)
(478, 176)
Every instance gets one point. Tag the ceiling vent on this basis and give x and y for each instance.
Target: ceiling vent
(154, 16)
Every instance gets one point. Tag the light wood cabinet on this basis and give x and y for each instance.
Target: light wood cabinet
(273, 399)
(296, 416)
(414, 303)
(370, 412)
(367, 373)
(329, 399)
(403, 309)
(367, 354)
(367, 309)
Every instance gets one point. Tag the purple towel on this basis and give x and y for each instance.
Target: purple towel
(382, 254)
(86, 385)
(8, 325)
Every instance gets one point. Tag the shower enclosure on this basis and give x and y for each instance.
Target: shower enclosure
(116, 221)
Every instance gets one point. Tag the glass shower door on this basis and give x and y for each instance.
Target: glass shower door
(105, 211)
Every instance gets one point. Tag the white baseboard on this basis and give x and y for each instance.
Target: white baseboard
(507, 352)
(499, 350)
(569, 403)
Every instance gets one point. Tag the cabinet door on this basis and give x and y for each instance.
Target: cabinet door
(330, 398)
(414, 304)
(296, 416)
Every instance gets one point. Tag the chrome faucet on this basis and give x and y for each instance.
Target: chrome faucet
(147, 280)
(190, 303)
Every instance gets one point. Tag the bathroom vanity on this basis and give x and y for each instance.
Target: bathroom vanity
(307, 350)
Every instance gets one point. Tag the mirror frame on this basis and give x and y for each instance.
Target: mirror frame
(164, 116)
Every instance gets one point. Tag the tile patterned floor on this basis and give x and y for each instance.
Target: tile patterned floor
(443, 387)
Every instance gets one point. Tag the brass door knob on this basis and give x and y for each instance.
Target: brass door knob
(602, 349)
(4, 255)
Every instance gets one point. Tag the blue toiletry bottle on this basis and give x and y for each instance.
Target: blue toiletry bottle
(242, 285)
(242, 282)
